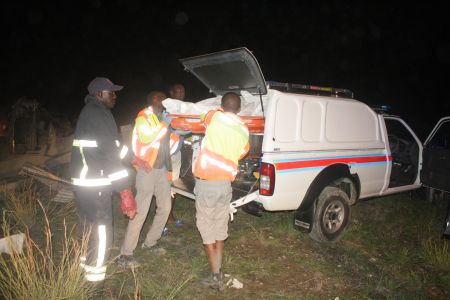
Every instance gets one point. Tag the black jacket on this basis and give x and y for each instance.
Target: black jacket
(96, 160)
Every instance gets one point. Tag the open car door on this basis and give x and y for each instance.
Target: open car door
(435, 174)
(436, 157)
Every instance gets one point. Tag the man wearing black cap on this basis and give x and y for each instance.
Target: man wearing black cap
(96, 171)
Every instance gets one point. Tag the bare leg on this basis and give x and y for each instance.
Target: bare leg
(219, 254)
(211, 254)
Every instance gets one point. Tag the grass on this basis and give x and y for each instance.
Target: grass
(21, 203)
(392, 249)
(43, 273)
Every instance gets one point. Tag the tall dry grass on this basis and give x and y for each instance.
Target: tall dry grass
(44, 271)
(21, 203)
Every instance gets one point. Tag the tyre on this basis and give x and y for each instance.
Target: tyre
(331, 215)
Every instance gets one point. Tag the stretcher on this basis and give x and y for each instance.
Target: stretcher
(193, 123)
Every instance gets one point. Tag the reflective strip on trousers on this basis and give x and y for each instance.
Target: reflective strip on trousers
(98, 272)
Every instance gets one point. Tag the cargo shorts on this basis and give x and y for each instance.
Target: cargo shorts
(212, 204)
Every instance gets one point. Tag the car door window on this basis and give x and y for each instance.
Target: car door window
(405, 153)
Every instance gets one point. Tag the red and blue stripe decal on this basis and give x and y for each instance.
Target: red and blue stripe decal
(307, 164)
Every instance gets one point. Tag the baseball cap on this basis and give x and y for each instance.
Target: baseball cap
(99, 84)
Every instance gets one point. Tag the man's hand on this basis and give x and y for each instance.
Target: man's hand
(141, 164)
(166, 118)
(128, 204)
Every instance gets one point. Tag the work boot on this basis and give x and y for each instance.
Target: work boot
(128, 261)
(214, 281)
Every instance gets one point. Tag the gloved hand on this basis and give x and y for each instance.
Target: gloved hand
(166, 118)
(182, 132)
(141, 164)
(128, 204)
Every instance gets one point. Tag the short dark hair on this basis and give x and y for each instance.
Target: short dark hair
(231, 102)
(173, 85)
(152, 95)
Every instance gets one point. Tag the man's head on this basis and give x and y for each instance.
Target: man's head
(104, 90)
(155, 99)
(177, 91)
(231, 102)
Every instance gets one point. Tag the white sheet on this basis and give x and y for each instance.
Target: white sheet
(250, 105)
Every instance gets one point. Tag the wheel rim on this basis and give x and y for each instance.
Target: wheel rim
(333, 216)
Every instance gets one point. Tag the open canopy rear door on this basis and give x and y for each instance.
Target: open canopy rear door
(436, 157)
(228, 71)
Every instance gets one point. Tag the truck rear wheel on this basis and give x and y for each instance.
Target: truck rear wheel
(331, 215)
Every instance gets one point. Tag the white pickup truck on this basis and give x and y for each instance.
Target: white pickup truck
(320, 150)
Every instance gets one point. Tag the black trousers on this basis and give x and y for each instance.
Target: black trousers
(95, 212)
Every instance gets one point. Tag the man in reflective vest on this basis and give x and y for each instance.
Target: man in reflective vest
(96, 171)
(225, 142)
(151, 147)
(176, 91)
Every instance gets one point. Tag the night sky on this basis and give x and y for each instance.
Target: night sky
(386, 53)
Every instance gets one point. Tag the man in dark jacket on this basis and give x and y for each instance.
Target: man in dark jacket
(97, 171)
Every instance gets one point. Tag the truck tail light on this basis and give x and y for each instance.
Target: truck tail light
(267, 179)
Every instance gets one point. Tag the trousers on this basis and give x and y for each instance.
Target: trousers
(154, 182)
(96, 220)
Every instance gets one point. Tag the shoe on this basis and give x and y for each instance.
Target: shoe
(214, 281)
(178, 223)
(165, 232)
(154, 249)
(128, 261)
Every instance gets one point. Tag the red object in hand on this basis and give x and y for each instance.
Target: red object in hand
(141, 164)
(128, 204)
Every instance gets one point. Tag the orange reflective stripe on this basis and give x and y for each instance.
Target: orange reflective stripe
(209, 116)
(214, 167)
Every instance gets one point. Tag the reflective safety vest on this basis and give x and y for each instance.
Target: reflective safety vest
(148, 131)
(225, 142)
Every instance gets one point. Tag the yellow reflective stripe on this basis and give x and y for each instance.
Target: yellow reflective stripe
(91, 182)
(95, 277)
(84, 143)
(83, 171)
(123, 151)
(93, 270)
(101, 246)
(94, 273)
(98, 272)
(118, 175)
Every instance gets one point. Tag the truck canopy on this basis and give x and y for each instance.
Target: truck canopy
(232, 70)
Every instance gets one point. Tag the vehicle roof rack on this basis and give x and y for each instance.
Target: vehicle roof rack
(309, 89)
